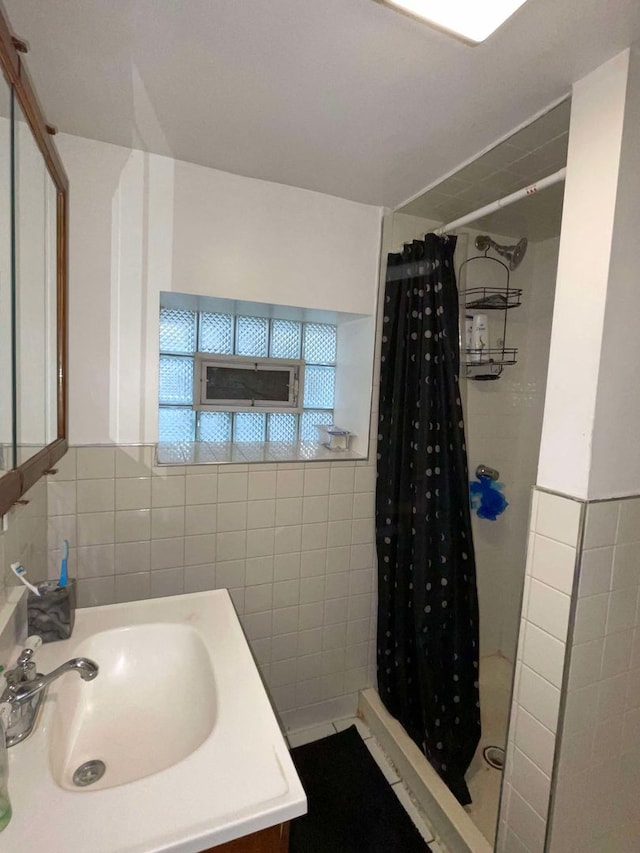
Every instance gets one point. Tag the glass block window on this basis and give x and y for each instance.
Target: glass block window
(214, 426)
(282, 427)
(249, 426)
(320, 340)
(176, 423)
(216, 333)
(177, 330)
(184, 333)
(319, 386)
(308, 422)
(176, 380)
(252, 336)
(286, 337)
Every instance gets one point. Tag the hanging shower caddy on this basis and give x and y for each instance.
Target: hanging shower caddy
(488, 362)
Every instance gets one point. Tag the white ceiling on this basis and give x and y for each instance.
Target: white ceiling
(342, 96)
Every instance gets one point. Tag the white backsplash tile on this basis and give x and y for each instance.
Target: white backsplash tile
(540, 698)
(549, 609)
(133, 461)
(95, 462)
(168, 491)
(629, 521)
(531, 783)
(601, 524)
(95, 528)
(591, 617)
(132, 525)
(595, 571)
(167, 522)
(132, 587)
(167, 582)
(544, 654)
(201, 488)
(616, 657)
(133, 493)
(558, 518)
(262, 485)
(261, 514)
(621, 612)
(553, 563)
(94, 561)
(132, 557)
(200, 518)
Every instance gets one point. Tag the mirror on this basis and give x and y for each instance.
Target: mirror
(35, 294)
(7, 459)
(33, 278)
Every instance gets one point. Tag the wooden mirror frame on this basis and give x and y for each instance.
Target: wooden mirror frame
(17, 481)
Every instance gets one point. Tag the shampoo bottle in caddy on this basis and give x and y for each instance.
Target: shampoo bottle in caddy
(480, 338)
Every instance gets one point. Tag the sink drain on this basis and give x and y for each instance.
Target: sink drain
(89, 772)
(494, 756)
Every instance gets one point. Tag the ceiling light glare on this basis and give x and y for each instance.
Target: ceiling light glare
(471, 20)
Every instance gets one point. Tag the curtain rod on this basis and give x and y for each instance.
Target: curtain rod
(542, 184)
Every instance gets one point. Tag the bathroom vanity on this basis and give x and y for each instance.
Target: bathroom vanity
(192, 757)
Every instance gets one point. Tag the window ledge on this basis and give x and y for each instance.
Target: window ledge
(244, 452)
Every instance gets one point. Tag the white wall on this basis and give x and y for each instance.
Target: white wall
(595, 139)
(615, 456)
(143, 223)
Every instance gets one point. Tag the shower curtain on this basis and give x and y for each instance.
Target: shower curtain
(427, 598)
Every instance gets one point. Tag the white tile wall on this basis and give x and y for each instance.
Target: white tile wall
(293, 543)
(589, 755)
(597, 806)
(552, 555)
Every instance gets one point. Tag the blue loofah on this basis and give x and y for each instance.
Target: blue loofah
(487, 498)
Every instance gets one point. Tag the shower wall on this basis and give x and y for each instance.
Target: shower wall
(503, 426)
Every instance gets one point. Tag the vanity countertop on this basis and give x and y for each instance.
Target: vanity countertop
(239, 780)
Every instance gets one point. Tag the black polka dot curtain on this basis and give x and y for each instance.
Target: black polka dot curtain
(427, 597)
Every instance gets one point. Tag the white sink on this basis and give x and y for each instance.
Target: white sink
(193, 753)
(151, 705)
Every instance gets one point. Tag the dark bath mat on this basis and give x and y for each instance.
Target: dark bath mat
(352, 808)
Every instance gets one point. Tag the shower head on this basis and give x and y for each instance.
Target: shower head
(514, 254)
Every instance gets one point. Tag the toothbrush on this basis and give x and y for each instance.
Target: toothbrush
(63, 565)
(20, 572)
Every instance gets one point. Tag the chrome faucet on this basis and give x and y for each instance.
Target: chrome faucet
(26, 688)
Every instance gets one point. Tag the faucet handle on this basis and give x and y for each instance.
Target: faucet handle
(24, 657)
(25, 669)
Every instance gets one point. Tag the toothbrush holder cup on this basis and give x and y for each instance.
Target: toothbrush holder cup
(52, 614)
